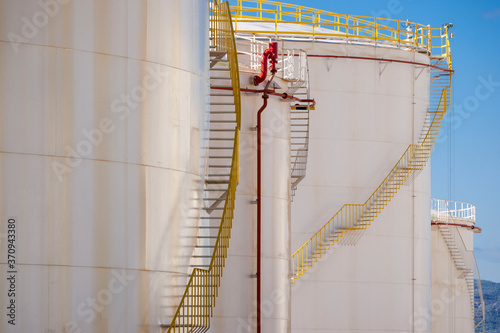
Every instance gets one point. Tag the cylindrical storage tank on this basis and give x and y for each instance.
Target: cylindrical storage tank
(453, 267)
(101, 106)
(236, 308)
(371, 105)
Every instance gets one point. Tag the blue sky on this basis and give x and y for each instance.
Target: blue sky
(466, 161)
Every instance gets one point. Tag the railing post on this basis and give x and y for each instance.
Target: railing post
(429, 39)
(398, 31)
(313, 23)
(347, 26)
(276, 23)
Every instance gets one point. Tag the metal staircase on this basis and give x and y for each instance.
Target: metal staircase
(479, 310)
(222, 156)
(358, 216)
(220, 151)
(469, 274)
(458, 259)
(299, 114)
(440, 78)
(449, 216)
(299, 144)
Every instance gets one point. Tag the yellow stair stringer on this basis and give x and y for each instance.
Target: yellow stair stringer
(359, 216)
(198, 301)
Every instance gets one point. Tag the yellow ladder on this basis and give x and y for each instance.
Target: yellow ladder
(196, 305)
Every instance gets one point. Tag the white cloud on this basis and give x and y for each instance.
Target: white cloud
(492, 14)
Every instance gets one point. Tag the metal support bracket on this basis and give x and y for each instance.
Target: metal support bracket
(383, 67)
(421, 70)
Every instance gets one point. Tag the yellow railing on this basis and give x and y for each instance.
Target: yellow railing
(308, 22)
(359, 216)
(440, 42)
(196, 306)
(222, 33)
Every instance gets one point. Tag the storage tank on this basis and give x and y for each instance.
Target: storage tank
(102, 106)
(371, 80)
(457, 298)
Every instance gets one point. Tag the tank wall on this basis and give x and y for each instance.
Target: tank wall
(451, 305)
(236, 304)
(367, 113)
(101, 123)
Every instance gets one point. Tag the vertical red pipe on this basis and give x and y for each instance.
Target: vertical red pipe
(272, 54)
(259, 206)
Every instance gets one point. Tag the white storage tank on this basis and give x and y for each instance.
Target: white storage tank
(457, 300)
(101, 120)
(373, 102)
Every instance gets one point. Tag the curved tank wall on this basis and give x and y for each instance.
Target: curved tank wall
(367, 113)
(101, 107)
(451, 298)
(236, 305)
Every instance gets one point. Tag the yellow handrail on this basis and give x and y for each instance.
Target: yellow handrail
(324, 24)
(222, 32)
(196, 306)
(359, 216)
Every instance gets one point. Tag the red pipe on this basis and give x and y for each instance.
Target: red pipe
(286, 96)
(274, 54)
(380, 59)
(270, 54)
(259, 208)
(458, 225)
(271, 92)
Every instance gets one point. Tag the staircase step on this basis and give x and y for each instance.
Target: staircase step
(219, 148)
(220, 139)
(217, 53)
(221, 95)
(219, 86)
